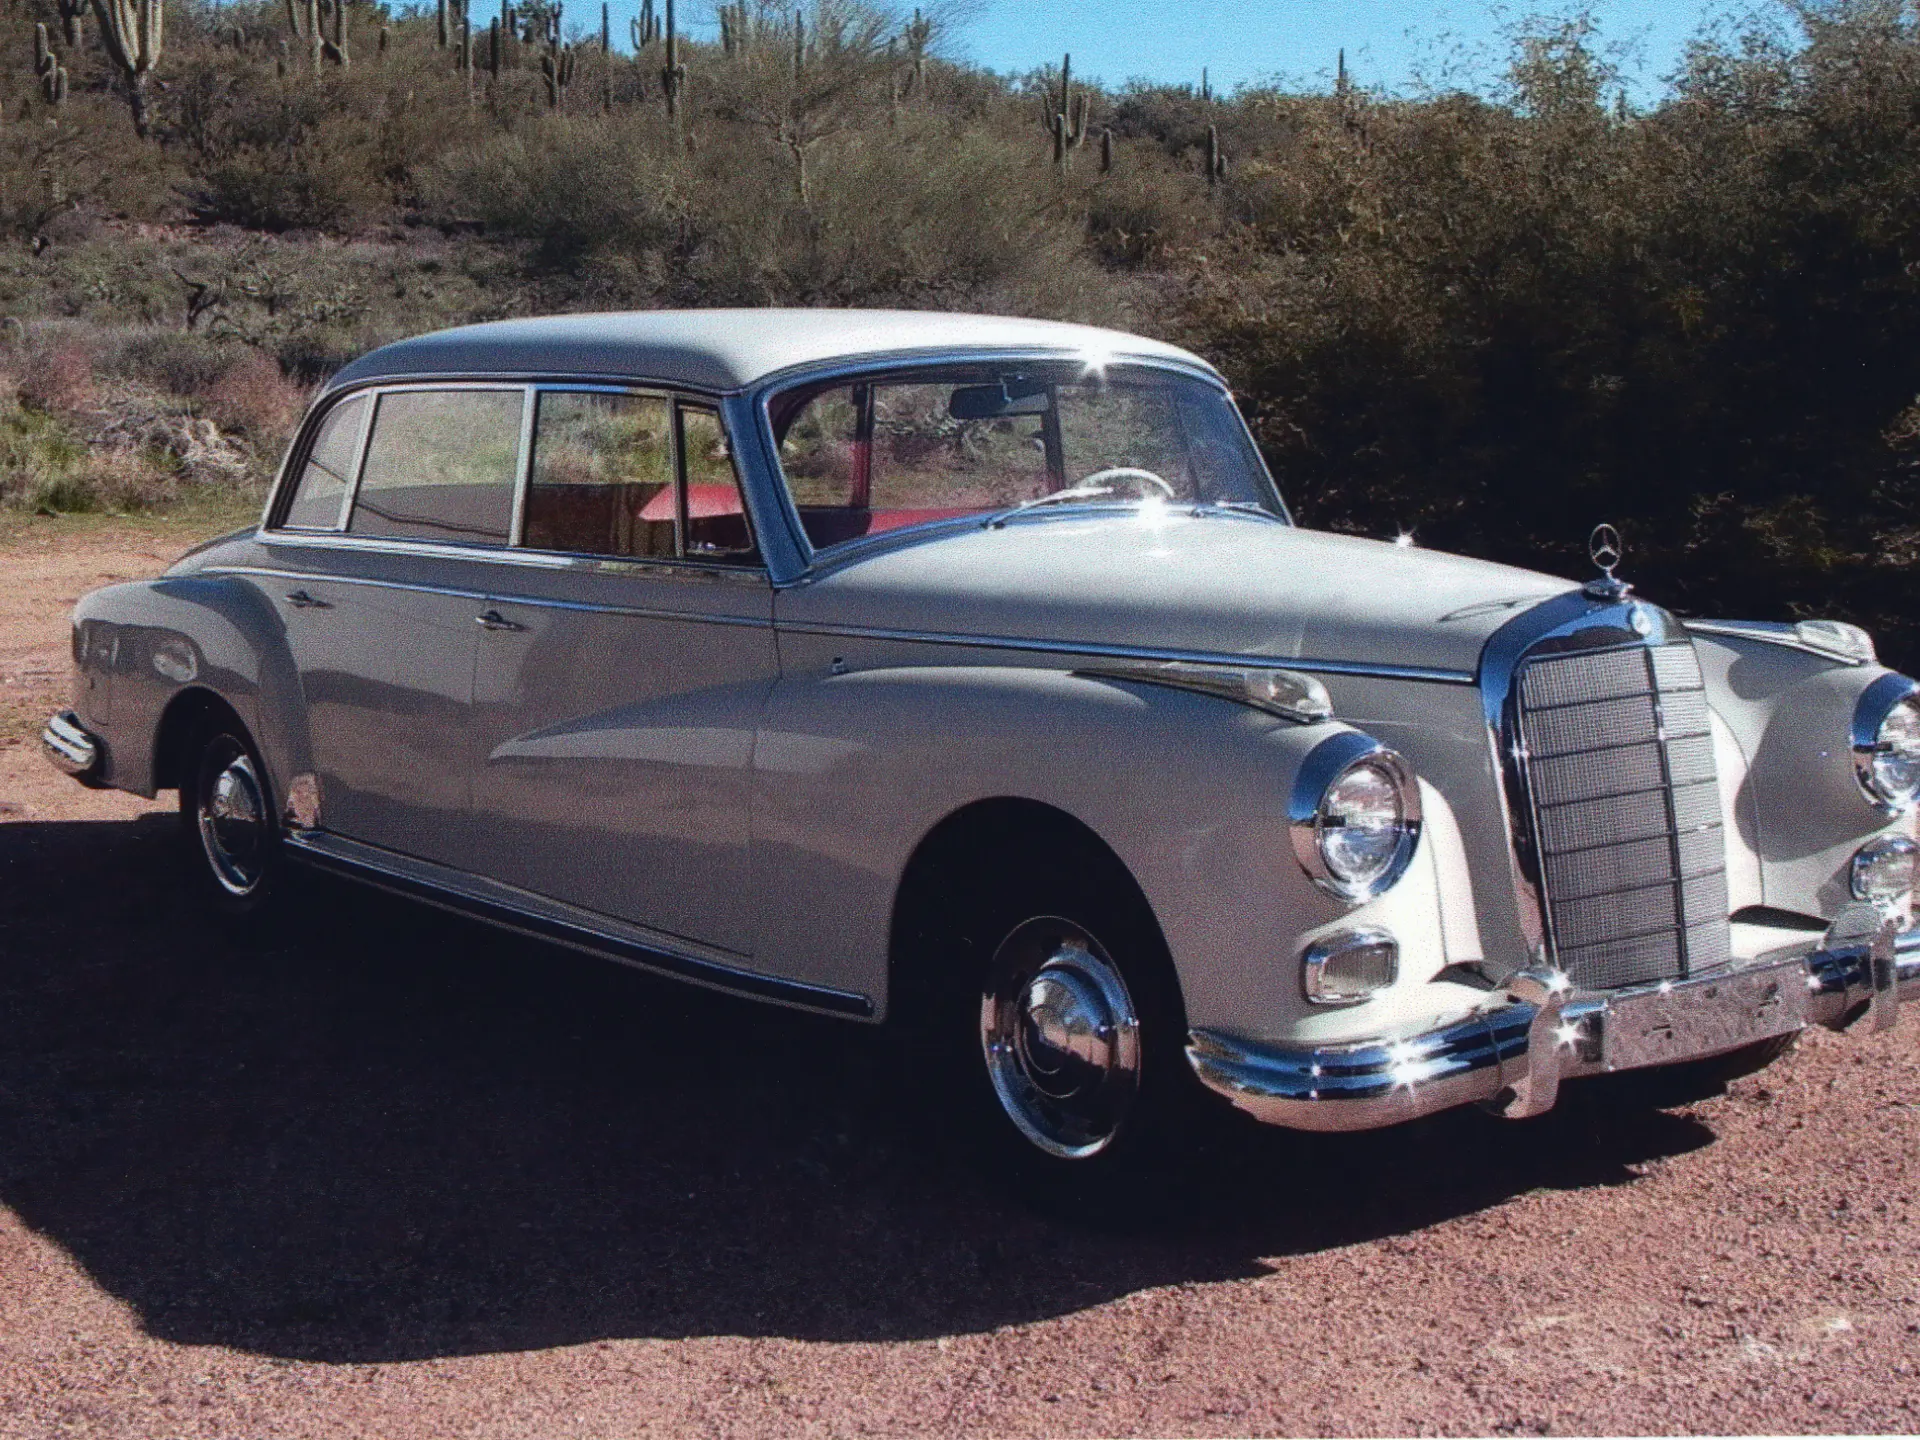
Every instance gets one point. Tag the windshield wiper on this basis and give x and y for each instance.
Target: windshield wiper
(1053, 497)
(1252, 509)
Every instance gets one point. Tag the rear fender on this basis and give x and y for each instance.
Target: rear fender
(152, 641)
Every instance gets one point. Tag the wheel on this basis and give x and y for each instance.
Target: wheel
(1055, 1013)
(233, 838)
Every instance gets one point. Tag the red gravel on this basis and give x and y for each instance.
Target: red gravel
(396, 1174)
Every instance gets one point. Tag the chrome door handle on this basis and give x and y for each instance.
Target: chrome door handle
(494, 620)
(301, 600)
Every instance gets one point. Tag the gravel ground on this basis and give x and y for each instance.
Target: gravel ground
(391, 1173)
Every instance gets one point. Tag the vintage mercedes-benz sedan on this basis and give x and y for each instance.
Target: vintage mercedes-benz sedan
(969, 673)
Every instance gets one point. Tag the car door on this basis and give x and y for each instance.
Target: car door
(373, 577)
(622, 669)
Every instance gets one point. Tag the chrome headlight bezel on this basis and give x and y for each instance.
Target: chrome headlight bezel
(1877, 704)
(1324, 767)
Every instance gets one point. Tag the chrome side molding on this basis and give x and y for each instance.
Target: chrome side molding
(545, 919)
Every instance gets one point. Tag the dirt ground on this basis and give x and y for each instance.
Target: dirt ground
(393, 1174)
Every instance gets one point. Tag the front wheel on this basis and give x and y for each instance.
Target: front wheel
(1050, 1003)
(226, 809)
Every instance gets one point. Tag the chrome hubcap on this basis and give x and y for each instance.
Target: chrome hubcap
(1061, 1038)
(232, 818)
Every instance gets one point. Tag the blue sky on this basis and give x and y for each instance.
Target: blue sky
(1388, 42)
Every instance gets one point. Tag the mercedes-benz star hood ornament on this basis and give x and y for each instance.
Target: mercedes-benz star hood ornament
(1603, 545)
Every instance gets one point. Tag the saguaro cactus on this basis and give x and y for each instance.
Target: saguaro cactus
(1106, 151)
(1065, 116)
(335, 47)
(1216, 158)
(645, 27)
(917, 33)
(556, 68)
(132, 30)
(70, 13)
(443, 32)
(53, 75)
(673, 75)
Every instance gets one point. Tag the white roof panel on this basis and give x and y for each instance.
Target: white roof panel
(724, 350)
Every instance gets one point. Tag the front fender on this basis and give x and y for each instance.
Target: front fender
(1189, 791)
(1801, 809)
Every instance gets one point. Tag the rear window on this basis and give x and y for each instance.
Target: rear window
(324, 480)
(441, 466)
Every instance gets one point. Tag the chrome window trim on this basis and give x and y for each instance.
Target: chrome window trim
(287, 482)
(1870, 712)
(517, 522)
(1130, 652)
(555, 560)
(780, 382)
(379, 393)
(644, 612)
(753, 571)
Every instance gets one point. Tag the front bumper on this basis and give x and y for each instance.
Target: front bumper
(1512, 1053)
(72, 748)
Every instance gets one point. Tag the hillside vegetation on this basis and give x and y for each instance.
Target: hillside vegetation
(1488, 320)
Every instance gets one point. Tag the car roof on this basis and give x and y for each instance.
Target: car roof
(727, 350)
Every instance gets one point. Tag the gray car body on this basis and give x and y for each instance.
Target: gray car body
(727, 773)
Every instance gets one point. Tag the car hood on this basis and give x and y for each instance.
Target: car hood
(1174, 582)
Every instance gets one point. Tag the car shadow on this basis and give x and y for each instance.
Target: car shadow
(385, 1133)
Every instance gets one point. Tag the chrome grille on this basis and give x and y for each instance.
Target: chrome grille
(1625, 813)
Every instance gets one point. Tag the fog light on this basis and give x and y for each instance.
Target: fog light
(1347, 968)
(1883, 869)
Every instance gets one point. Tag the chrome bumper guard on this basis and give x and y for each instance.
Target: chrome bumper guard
(72, 750)
(1512, 1054)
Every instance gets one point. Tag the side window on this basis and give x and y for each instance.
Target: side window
(441, 465)
(324, 480)
(820, 452)
(602, 477)
(717, 527)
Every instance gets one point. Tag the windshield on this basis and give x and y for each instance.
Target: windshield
(883, 452)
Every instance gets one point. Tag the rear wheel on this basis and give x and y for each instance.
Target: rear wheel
(227, 811)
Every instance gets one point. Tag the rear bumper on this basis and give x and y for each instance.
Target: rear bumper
(72, 748)
(1512, 1053)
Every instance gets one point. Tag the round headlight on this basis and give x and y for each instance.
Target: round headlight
(1886, 742)
(1356, 816)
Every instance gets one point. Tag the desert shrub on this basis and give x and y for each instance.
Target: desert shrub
(254, 397)
(1146, 211)
(174, 362)
(572, 186)
(61, 382)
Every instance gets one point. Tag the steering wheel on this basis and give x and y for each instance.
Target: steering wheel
(1132, 473)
